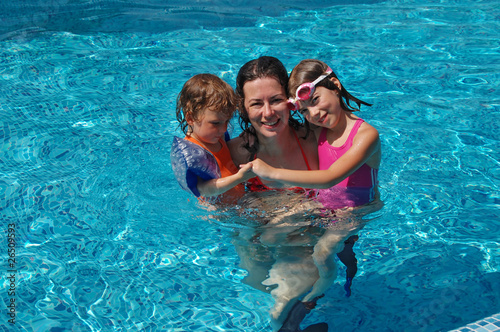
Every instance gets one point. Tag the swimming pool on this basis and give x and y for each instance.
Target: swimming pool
(105, 238)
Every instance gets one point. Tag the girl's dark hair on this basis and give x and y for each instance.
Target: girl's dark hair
(309, 70)
(265, 66)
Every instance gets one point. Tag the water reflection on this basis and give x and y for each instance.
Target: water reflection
(289, 249)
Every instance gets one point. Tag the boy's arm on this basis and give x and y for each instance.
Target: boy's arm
(219, 186)
(360, 152)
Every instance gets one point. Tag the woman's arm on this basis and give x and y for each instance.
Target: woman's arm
(219, 186)
(366, 145)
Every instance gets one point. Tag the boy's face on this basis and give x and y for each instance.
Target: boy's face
(210, 127)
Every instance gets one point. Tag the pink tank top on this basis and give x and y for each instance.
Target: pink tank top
(358, 188)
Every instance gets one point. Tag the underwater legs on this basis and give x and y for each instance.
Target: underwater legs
(348, 257)
(297, 315)
(292, 277)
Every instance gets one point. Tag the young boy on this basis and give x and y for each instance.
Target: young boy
(204, 107)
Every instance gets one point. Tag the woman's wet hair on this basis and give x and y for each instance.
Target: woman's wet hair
(310, 69)
(263, 67)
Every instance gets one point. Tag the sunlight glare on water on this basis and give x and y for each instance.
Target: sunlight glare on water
(107, 240)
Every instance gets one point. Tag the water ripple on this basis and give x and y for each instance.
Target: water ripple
(107, 240)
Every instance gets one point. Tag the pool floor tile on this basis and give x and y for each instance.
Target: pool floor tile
(488, 324)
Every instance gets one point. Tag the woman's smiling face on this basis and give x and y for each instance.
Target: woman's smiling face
(266, 104)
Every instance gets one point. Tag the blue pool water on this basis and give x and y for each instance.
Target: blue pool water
(107, 241)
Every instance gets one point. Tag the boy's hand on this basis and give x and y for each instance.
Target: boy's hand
(246, 171)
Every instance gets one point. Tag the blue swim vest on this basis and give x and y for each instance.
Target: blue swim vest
(190, 161)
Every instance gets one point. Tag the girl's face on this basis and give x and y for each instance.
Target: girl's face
(210, 128)
(266, 104)
(323, 108)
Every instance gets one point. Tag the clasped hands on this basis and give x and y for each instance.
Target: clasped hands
(259, 168)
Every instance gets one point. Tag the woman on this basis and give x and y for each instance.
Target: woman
(272, 135)
(349, 155)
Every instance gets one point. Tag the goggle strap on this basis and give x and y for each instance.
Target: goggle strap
(328, 72)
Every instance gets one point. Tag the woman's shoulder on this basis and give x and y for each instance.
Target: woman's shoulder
(308, 136)
(238, 150)
(309, 146)
(234, 143)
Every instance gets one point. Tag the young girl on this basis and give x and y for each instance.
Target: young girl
(204, 107)
(349, 156)
(348, 147)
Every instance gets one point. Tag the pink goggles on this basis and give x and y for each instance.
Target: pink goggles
(305, 91)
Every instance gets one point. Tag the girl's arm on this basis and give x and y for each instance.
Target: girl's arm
(365, 145)
(219, 186)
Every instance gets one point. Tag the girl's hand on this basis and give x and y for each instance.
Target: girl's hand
(263, 170)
